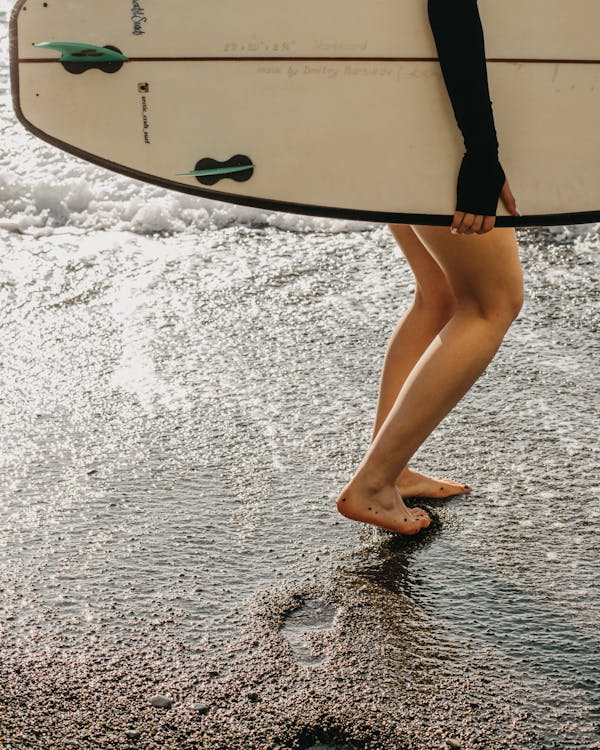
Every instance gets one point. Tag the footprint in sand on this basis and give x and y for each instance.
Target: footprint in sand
(303, 627)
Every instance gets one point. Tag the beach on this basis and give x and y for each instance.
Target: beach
(187, 386)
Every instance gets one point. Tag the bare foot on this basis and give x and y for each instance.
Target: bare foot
(383, 508)
(412, 483)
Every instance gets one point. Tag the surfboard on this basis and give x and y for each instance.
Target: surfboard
(333, 108)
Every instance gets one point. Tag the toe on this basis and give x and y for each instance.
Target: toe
(420, 513)
(451, 487)
(422, 517)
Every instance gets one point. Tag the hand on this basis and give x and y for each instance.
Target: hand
(473, 224)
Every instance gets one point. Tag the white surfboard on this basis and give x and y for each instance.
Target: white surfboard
(323, 107)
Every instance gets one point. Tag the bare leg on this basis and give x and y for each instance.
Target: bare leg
(433, 305)
(485, 275)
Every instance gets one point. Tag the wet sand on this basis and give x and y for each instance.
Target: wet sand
(169, 519)
(379, 675)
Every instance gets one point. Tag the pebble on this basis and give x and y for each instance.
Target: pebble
(161, 701)
(453, 743)
(201, 708)
(133, 734)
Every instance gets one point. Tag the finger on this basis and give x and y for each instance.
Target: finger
(476, 225)
(466, 223)
(509, 200)
(458, 216)
(488, 224)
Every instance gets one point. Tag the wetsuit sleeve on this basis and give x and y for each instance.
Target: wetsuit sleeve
(458, 35)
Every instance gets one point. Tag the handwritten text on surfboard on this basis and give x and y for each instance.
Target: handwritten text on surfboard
(325, 70)
(146, 122)
(138, 17)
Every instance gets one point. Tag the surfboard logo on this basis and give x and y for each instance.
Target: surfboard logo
(138, 18)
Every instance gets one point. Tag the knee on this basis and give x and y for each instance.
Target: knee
(500, 310)
(510, 304)
(439, 304)
(515, 303)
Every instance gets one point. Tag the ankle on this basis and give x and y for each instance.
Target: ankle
(370, 483)
(406, 472)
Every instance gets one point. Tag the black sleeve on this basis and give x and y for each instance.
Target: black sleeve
(458, 36)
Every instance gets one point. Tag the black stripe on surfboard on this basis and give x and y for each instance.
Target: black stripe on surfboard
(325, 59)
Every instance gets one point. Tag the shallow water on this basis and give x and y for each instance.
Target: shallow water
(187, 385)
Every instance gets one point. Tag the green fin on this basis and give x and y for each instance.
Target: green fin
(220, 170)
(83, 53)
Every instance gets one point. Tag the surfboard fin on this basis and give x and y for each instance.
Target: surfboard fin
(220, 170)
(77, 52)
(210, 171)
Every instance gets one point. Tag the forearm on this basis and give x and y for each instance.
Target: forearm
(459, 39)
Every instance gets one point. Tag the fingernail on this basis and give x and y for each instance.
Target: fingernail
(520, 214)
(454, 230)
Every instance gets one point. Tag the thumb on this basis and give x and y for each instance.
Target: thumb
(509, 200)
